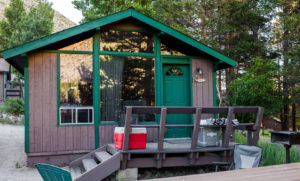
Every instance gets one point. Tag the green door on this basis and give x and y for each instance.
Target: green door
(176, 92)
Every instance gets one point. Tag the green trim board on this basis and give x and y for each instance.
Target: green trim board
(96, 85)
(158, 72)
(110, 19)
(65, 51)
(215, 68)
(58, 86)
(126, 54)
(26, 103)
(3, 85)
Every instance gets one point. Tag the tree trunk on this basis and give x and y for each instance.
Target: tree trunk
(294, 117)
(285, 86)
(21, 89)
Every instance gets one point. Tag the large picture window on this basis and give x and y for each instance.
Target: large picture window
(76, 89)
(125, 81)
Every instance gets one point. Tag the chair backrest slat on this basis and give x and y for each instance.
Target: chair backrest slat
(53, 173)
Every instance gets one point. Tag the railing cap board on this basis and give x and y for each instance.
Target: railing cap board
(192, 110)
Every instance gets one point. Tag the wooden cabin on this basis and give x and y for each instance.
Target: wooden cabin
(79, 81)
(4, 73)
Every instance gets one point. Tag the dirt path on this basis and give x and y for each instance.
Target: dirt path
(12, 156)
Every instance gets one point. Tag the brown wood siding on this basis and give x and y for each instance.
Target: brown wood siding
(44, 134)
(1, 86)
(203, 92)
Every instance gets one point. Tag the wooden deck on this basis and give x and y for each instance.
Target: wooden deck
(165, 153)
(285, 172)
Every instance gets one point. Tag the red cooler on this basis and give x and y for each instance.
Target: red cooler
(137, 138)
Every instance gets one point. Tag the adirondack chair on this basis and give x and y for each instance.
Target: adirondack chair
(52, 173)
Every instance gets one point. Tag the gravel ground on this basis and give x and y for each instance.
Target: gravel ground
(12, 156)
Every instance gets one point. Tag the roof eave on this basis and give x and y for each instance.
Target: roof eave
(7, 54)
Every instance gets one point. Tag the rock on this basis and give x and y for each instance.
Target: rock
(200, 171)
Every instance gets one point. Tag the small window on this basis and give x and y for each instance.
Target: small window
(166, 50)
(76, 115)
(84, 45)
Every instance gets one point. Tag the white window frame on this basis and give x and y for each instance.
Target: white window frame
(76, 115)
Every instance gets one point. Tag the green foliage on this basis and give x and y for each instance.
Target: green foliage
(20, 26)
(273, 154)
(13, 106)
(258, 87)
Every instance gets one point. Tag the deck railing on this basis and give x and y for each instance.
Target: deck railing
(252, 128)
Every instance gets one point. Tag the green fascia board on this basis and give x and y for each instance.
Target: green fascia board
(110, 19)
(182, 37)
(64, 34)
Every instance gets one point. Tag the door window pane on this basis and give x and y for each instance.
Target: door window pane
(125, 81)
(124, 41)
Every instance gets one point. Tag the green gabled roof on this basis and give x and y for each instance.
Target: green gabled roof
(48, 40)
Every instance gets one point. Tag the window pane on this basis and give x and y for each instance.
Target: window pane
(76, 80)
(66, 116)
(125, 81)
(84, 45)
(123, 41)
(166, 50)
(84, 115)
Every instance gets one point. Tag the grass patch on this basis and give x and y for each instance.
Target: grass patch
(6, 121)
(273, 154)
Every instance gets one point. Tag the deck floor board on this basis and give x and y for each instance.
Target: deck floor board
(277, 172)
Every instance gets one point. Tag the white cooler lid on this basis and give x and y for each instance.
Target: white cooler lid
(134, 130)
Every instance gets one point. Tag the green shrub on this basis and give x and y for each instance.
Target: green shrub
(13, 106)
(273, 154)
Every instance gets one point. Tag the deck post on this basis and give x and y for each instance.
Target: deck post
(127, 130)
(162, 129)
(197, 118)
(256, 127)
(228, 131)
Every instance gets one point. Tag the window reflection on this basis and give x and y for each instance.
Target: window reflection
(166, 50)
(76, 80)
(123, 41)
(84, 45)
(125, 81)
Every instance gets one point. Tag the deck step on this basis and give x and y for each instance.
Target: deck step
(75, 172)
(102, 156)
(89, 164)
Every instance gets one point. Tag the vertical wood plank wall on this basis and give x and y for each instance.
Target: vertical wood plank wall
(203, 92)
(44, 134)
(1, 86)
